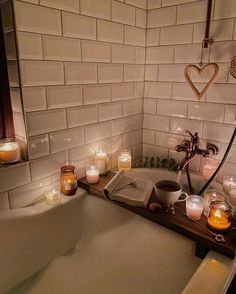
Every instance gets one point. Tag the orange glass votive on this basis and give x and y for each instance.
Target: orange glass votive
(219, 218)
(68, 180)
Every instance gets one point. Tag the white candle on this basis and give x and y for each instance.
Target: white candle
(92, 174)
(228, 183)
(101, 161)
(194, 206)
(232, 194)
(53, 197)
(124, 160)
(10, 152)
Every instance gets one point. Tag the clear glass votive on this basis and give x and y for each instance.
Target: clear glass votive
(212, 195)
(92, 173)
(124, 160)
(194, 206)
(101, 161)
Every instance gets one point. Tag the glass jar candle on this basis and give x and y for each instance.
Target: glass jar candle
(124, 160)
(92, 173)
(212, 195)
(219, 218)
(10, 152)
(101, 161)
(194, 206)
(228, 183)
(68, 180)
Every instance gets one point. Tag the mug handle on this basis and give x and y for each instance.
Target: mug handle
(186, 195)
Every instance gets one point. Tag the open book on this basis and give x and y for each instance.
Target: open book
(128, 190)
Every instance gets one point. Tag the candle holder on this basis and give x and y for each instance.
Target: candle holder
(68, 180)
(101, 161)
(194, 206)
(232, 196)
(212, 195)
(92, 173)
(53, 196)
(10, 152)
(124, 160)
(228, 183)
(219, 218)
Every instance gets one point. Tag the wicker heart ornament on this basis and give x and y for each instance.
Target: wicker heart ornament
(206, 67)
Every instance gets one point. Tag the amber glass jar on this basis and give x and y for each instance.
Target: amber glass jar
(68, 180)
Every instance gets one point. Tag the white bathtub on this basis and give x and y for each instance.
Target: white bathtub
(118, 252)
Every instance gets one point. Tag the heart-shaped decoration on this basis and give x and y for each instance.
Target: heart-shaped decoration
(213, 66)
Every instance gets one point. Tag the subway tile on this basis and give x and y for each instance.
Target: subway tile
(34, 98)
(152, 4)
(79, 116)
(110, 73)
(222, 51)
(171, 108)
(158, 90)
(127, 124)
(67, 139)
(168, 140)
(171, 73)
(23, 196)
(232, 154)
(80, 26)
(155, 122)
(122, 91)
(133, 73)
(38, 73)
(230, 114)
(110, 31)
(38, 19)
(111, 145)
(69, 5)
(122, 54)
(137, 3)
(158, 55)
(134, 36)
(138, 89)
(218, 132)
(206, 111)
(149, 106)
(64, 96)
(83, 154)
(174, 2)
(141, 18)
(137, 151)
(222, 93)
(140, 55)
(153, 37)
(96, 8)
(228, 168)
(30, 46)
(61, 48)
(38, 146)
(192, 12)
(179, 126)
(96, 93)
(19, 125)
(109, 111)
(132, 107)
(13, 75)
(132, 138)
(182, 91)
(154, 151)
(161, 17)
(221, 30)
(206, 74)
(96, 51)
(225, 9)
(10, 46)
(20, 173)
(48, 165)
(98, 132)
(123, 13)
(181, 34)
(80, 73)
(151, 72)
(45, 121)
(149, 136)
(4, 202)
(16, 101)
(189, 53)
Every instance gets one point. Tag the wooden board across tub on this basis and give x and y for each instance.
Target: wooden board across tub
(177, 222)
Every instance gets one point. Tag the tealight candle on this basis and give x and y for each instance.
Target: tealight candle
(228, 182)
(101, 161)
(10, 152)
(194, 206)
(124, 160)
(212, 195)
(53, 197)
(92, 174)
(220, 216)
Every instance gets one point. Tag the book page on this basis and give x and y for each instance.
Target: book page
(114, 182)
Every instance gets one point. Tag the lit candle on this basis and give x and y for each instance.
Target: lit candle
(10, 152)
(194, 206)
(219, 216)
(68, 180)
(232, 194)
(53, 197)
(228, 182)
(212, 195)
(101, 161)
(92, 174)
(124, 160)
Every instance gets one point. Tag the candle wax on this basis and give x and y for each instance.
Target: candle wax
(218, 221)
(10, 152)
(92, 176)
(194, 210)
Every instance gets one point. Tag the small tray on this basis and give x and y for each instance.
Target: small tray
(177, 222)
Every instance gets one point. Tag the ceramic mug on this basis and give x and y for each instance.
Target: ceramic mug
(168, 192)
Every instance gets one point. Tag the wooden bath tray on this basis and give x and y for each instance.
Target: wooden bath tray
(177, 222)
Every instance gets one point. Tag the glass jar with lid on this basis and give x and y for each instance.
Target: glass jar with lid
(68, 180)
